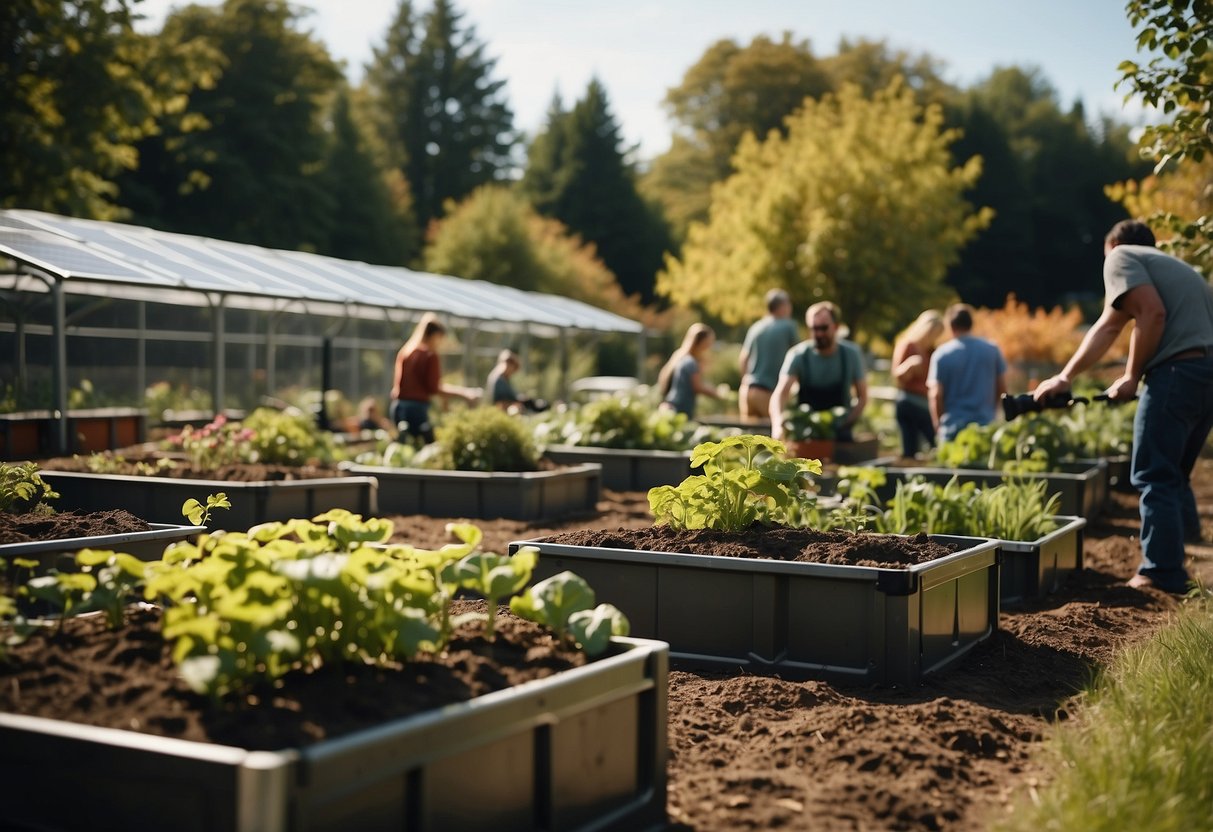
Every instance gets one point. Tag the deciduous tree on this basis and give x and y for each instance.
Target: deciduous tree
(79, 88)
(859, 203)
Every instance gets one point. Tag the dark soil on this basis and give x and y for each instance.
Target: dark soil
(803, 545)
(759, 752)
(24, 528)
(126, 679)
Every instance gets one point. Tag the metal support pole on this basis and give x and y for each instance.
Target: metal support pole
(59, 405)
(218, 356)
(564, 364)
(141, 351)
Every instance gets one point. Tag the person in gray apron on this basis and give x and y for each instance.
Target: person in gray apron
(829, 371)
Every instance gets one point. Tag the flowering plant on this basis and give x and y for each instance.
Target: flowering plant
(222, 442)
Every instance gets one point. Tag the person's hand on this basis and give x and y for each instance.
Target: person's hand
(1059, 383)
(1123, 389)
(723, 391)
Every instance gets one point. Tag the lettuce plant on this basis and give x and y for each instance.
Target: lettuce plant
(565, 603)
(745, 480)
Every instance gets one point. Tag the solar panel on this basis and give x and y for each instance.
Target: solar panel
(68, 259)
(98, 250)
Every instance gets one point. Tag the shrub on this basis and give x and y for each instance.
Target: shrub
(483, 439)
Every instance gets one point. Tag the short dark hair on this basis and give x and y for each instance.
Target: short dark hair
(960, 317)
(1130, 233)
(777, 298)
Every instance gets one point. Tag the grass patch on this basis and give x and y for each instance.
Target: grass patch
(1139, 755)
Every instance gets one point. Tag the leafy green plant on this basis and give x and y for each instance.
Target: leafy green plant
(23, 490)
(565, 603)
(199, 514)
(745, 479)
(483, 439)
(803, 422)
(622, 423)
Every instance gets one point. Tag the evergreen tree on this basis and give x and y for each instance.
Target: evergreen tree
(246, 168)
(446, 116)
(368, 224)
(578, 172)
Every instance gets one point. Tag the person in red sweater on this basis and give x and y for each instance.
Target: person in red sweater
(419, 378)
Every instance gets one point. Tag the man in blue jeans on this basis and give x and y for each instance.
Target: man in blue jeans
(1171, 349)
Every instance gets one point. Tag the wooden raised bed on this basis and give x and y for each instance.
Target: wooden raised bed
(525, 495)
(796, 619)
(30, 434)
(583, 749)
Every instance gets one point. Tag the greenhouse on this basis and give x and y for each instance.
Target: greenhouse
(120, 307)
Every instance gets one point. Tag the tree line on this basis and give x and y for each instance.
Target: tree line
(861, 174)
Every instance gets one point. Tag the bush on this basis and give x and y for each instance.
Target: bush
(483, 439)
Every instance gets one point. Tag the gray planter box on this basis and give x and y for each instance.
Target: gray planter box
(1038, 568)
(806, 620)
(624, 470)
(584, 749)
(147, 545)
(1083, 484)
(526, 495)
(161, 498)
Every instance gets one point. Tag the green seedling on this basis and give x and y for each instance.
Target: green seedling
(199, 514)
(565, 604)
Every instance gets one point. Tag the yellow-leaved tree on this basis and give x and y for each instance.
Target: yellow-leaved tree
(1177, 204)
(859, 203)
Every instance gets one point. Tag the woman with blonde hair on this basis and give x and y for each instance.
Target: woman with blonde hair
(681, 379)
(418, 379)
(911, 359)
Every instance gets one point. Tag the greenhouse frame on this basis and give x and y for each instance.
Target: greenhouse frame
(116, 298)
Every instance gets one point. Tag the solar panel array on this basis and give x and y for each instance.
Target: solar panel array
(108, 252)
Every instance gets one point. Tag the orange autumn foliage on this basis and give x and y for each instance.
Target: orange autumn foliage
(1039, 336)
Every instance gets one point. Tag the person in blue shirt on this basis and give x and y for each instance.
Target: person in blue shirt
(766, 345)
(500, 389)
(967, 377)
(681, 379)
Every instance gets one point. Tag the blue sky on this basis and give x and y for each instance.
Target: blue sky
(640, 48)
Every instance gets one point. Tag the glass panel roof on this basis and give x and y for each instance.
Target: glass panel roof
(114, 252)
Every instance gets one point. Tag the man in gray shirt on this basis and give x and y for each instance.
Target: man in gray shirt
(766, 343)
(1171, 349)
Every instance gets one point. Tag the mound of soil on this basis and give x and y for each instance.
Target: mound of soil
(26, 528)
(126, 679)
(802, 545)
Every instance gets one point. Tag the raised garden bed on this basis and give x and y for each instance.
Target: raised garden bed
(161, 498)
(30, 434)
(624, 470)
(583, 748)
(831, 450)
(1082, 485)
(1119, 468)
(145, 545)
(525, 495)
(866, 623)
(1033, 569)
